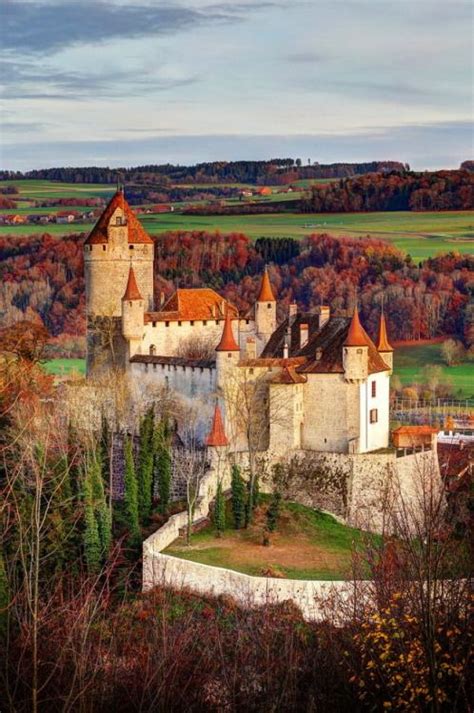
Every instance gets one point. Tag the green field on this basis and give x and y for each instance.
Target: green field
(409, 362)
(308, 544)
(63, 367)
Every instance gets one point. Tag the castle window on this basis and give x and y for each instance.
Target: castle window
(269, 305)
(217, 321)
(152, 349)
(167, 382)
(118, 220)
(204, 322)
(250, 371)
(153, 324)
(374, 415)
(192, 323)
(247, 321)
(167, 324)
(359, 351)
(179, 324)
(229, 355)
(104, 247)
(130, 247)
(374, 389)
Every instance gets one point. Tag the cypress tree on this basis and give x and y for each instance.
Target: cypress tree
(273, 512)
(91, 539)
(238, 497)
(105, 450)
(131, 493)
(219, 510)
(101, 511)
(145, 465)
(163, 467)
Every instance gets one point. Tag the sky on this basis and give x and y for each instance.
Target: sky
(131, 82)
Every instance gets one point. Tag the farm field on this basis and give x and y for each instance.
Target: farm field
(409, 362)
(308, 544)
(422, 235)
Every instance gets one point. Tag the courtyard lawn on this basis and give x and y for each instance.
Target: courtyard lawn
(308, 544)
(63, 367)
(410, 360)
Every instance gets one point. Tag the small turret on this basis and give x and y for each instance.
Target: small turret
(216, 437)
(384, 347)
(265, 311)
(133, 309)
(356, 351)
(227, 355)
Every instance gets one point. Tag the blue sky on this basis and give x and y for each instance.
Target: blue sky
(127, 82)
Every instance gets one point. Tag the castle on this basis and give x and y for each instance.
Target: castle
(319, 384)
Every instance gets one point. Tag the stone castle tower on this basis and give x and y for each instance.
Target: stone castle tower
(116, 244)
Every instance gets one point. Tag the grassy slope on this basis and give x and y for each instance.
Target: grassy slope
(409, 362)
(63, 367)
(308, 545)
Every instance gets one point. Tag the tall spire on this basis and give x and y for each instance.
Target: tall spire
(356, 336)
(132, 292)
(227, 343)
(383, 345)
(216, 436)
(266, 292)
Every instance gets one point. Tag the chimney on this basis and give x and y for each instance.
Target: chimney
(286, 348)
(304, 334)
(162, 298)
(251, 348)
(292, 312)
(324, 313)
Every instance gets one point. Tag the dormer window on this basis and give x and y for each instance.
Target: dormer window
(119, 220)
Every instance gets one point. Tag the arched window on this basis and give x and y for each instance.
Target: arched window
(152, 350)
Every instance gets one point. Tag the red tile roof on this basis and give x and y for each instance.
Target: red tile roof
(289, 376)
(193, 304)
(132, 292)
(216, 436)
(383, 345)
(356, 336)
(227, 343)
(136, 232)
(266, 292)
(416, 430)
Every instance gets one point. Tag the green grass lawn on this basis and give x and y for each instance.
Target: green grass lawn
(41, 189)
(409, 362)
(308, 544)
(63, 367)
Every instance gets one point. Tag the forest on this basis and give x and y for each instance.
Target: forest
(42, 279)
(275, 171)
(438, 190)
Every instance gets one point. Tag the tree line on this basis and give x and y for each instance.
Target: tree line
(276, 170)
(407, 190)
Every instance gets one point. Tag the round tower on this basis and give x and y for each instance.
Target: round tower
(265, 312)
(227, 359)
(355, 355)
(116, 239)
(133, 311)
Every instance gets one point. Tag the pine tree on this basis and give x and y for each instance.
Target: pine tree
(238, 498)
(145, 465)
(163, 467)
(219, 510)
(131, 494)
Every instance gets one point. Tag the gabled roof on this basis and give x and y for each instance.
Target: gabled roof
(136, 232)
(227, 342)
(200, 303)
(216, 436)
(132, 292)
(266, 292)
(288, 375)
(356, 336)
(323, 351)
(383, 344)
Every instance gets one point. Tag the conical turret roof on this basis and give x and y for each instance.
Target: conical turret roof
(132, 292)
(216, 436)
(227, 343)
(383, 345)
(356, 336)
(136, 232)
(266, 292)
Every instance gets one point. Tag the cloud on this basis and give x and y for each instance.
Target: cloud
(306, 57)
(27, 80)
(37, 26)
(424, 146)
